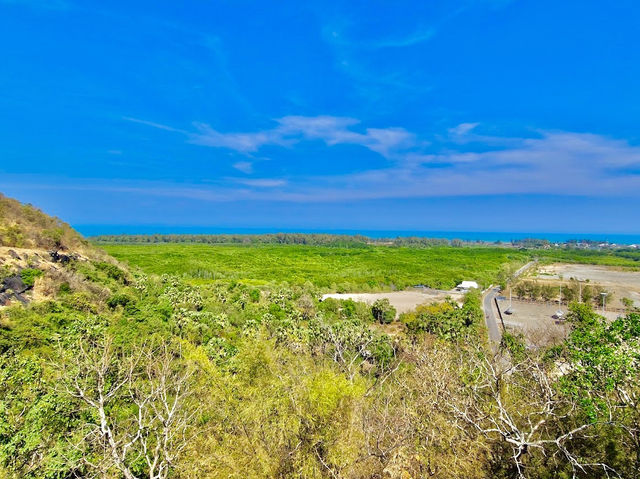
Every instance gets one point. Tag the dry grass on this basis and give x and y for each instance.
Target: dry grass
(25, 226)
(48, 286)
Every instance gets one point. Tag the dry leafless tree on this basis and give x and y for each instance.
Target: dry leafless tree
(516, 402)
(139, 407)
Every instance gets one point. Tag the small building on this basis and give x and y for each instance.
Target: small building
(467, 285)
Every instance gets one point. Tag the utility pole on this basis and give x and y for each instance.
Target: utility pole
(579, 291)
(560, 294)
(604, 301)
(510, 297)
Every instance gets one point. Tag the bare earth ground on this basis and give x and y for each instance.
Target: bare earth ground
(403, 301)
(25, 257)
(535, 320)
(623, 284)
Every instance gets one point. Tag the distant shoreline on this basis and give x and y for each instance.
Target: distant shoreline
(119, 233)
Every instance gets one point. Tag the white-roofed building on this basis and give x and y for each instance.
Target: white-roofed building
(467, 285)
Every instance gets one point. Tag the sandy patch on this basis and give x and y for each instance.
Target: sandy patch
(595, 273)
(623, 283)
(403, 301)
(536, 320)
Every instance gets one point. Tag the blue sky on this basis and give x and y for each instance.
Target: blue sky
(475, 115)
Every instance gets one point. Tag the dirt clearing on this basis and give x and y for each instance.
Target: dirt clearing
(622, 283)
(403, 301)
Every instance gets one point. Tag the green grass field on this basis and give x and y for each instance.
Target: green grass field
(629, 259)
(346, 269)
(331, 268)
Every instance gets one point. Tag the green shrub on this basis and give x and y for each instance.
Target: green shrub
(5, 272)
(119, 299)
(111, 270)
(12, 236)
(52, 238)
(254, 295)
(329, 269)
(29, 276)
(383, 312)
(64, 288)
(80, 301)
(447, 319)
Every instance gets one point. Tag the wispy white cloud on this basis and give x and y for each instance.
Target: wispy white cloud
(416, 38)
(553, 163)
(291, 130)
(244, 166)
(547, 162)
(335, 33)
(462, 129)
(159, 126)
(557, 163)
(356, 58)
(338, 130)
(241, 142)
(261, 182)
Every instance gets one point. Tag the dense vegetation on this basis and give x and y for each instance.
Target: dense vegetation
(622, 257)
(272, 238)
(331, 268)
(110, 372)
(121, 375)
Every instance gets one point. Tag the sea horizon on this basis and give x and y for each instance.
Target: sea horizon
(482, 236)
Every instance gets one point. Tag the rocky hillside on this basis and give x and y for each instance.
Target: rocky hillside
(24, 226)
(42, 257)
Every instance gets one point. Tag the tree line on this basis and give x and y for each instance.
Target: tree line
(568, 292)
(318, 239)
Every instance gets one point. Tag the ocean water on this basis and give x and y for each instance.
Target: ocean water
(487, 236)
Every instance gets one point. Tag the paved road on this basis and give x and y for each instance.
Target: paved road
(491, 316)
(523, 269)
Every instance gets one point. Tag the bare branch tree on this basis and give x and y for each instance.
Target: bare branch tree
(518, 404)
(140, 406)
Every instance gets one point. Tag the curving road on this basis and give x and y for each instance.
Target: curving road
(491, 317)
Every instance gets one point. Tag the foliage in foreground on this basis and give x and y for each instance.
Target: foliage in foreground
(133, 376)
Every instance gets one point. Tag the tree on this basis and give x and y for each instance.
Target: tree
(601, 360)
(587, 293)
(505, 274)
(520, 289)
(512, 400)
(535, 290)
(350, 343)
(548, 292)
(383, 312)
(627, 303)
(139, 407)
(53, 238)
(568, 294)
(446, 319)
